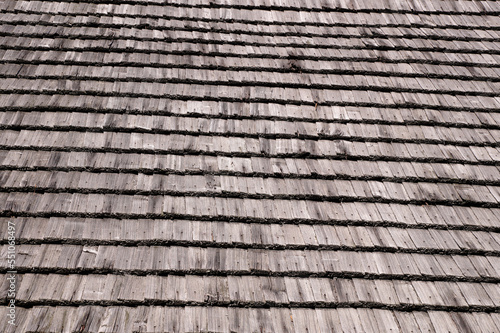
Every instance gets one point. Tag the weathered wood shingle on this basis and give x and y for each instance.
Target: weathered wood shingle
(251, 166)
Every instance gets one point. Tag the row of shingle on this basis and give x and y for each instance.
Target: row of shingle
(285, 167)
(460, 7)
(298, 96)
(155, 24)
(430, 215)
(449, 7)
(127, 37)
(252, 290)
(245, 147)
(263, 16)
(132, 231)
(245, 320)
(254, 64)
(55, 258)
(253, 111)
(251, 210)
(256, 187)
(247, 127)
(154, 49)
(233, 77)
(229, 38)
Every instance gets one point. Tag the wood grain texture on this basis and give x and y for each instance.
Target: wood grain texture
(251, 166)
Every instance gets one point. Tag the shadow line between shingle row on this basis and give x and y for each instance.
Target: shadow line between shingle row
(323, 8)
(265, 23)
(235, 116)
(257, 44)
(255, 246)
(150, 27)
(179, 97)
(251, 272)
(168, 171)
(244, 83)
(249, 154)
(244, 195)
(312, 221)
(270, 136)
(378, 58)
(289, 69)
(265, 305)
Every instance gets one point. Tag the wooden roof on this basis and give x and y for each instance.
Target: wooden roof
(251, 166)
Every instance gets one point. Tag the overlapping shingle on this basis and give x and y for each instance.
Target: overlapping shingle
(251, 166)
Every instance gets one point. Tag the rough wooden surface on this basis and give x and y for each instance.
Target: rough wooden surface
(251, 166)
